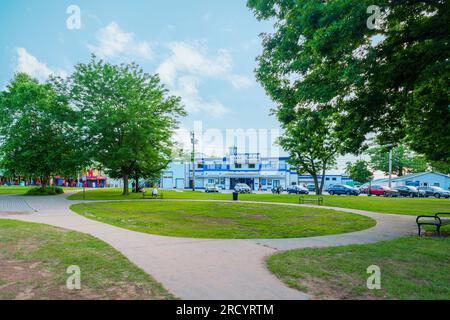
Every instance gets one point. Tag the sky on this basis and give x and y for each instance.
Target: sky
(203, 50)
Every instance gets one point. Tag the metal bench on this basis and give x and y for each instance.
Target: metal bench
(151, 196)
(435, 220)
(303, 200)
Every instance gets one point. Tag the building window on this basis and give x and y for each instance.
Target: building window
(237, 165)
(327, 179)
(217, 166)
(200, 165)
(211, 181)
(334, 179)
(251, 166)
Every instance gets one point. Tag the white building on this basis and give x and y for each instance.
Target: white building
(249, 168)
(423, 179)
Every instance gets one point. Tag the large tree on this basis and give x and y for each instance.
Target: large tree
(38, 135)
(403, 160)
(128, 117)
(359, 171)
(312, 144)
(391, 81)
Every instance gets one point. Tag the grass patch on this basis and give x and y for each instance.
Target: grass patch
(409, 206)
(13, 189)
(34, 259)
(23, 190)
(222, 220)
(411, 268)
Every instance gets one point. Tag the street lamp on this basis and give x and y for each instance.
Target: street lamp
(390, 146)
(193, 141)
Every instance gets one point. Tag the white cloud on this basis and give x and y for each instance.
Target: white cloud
(192, 58)
(113, 42)
(240, 82)
(30, 65)
(190, 63)
(186, 88)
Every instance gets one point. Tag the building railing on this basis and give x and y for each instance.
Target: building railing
(216, 167)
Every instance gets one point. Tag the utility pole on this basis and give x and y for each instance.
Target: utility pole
(390, 165)
(193, 141)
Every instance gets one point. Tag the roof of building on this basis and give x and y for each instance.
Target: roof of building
(415, 175)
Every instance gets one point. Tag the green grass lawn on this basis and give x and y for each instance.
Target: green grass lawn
(23, 190)
(411, 268)
(410, 206)
(222, 220)
(13, 189)
(34, 259)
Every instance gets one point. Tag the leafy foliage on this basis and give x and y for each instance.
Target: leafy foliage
(45, 191)
(127, 117)
(359, 171)
(403, 160)
(38, 137)
(312, 144)
(391, 81)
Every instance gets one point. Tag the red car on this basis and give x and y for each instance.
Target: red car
(382, 191)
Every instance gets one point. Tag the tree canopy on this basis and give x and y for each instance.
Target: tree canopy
(359, 171)
(312, 144)
(403, 160)
(127, 117)
(38, 136)
(390, 81)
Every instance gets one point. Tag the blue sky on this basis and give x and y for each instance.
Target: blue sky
(204, 50)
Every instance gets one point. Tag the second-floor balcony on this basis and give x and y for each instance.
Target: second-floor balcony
(242, 167)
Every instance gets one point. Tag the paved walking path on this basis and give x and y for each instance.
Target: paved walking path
(201, 268)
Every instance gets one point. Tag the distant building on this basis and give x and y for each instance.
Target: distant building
(249, 168)
(422, 179)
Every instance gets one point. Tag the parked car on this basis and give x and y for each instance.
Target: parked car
(277, 190)
(407, 191)
(211, 187)
(242, 188)
(342, 189)
(311, 187)
(297, 190)
(436, 192)
(382, 191)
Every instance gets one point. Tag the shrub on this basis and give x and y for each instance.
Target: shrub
(47, 191)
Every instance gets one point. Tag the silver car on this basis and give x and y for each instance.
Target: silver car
(211, 188)
(242, 188)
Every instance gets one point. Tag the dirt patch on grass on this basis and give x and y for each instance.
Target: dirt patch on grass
(31, 280)
(329, 289)
(257, 216)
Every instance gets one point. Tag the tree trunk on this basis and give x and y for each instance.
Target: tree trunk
(45, 181)
(136, 179)
(316, 183)
(323, 179)
(125, 185)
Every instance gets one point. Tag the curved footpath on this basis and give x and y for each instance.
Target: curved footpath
(201, 268)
